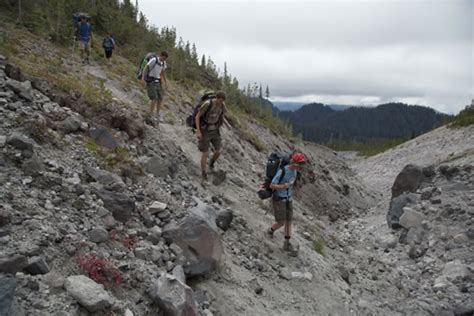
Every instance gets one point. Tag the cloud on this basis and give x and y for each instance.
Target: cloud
(390, 50)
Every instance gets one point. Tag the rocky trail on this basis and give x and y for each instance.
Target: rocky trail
(110, 196)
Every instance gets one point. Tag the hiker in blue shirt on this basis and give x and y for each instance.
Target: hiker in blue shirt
(282, 200)
(84, 34)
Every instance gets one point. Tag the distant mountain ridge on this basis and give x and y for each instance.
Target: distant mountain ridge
(320, 123)
(293, 106)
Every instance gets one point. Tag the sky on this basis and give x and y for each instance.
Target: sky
(362, 52)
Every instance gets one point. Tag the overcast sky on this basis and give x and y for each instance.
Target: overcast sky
(346, 52)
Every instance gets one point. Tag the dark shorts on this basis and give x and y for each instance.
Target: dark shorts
(154, 91)
(283, 210)
(208, 138)
(108, 53)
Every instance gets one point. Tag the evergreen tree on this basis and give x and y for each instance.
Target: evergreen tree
(203, 61)
(260, 94)
(267, 93)
(194, 53)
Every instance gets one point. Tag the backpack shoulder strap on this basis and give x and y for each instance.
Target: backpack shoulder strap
(207, 111)
(283, 172)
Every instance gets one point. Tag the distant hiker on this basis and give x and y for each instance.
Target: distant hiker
(153, 74)
(109, 45)
(84, 34)
(209, 119)
(282, 201)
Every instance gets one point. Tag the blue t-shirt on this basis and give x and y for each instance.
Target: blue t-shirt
(290, 177)
(84, 31)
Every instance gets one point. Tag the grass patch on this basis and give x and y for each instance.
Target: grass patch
(367, 148)
(318, 246)
(464, 118)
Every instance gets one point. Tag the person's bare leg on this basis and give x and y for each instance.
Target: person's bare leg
(277, 225)
(288, 228)
(204, 164)
(214, 158)
(158, 106)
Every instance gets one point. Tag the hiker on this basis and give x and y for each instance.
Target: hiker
(282, 202)
(84, 34)
(109, 45)
(154, 76)
(209, 119)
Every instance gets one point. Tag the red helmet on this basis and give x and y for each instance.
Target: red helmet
(298, 158)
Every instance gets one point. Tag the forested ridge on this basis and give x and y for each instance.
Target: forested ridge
(319, 123)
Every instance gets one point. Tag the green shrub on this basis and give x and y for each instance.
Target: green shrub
(318, 246)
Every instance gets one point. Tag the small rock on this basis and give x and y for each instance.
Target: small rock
(5, 217)
(157, 207)
(410, 218)
(98, 235)
(12, 263)
(37, 265)
(224, 219)
(7, 292)
(20, 141)
(88, 293)
(285, 274)
(154, 234)
(178, 272)
(455, 270)
(54, 280)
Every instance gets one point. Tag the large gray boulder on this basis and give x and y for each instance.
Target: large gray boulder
(7, 291)
(71, 124)
(408, 180)
(103, 138)
(197, 234)
(396, 208)
(88, 293)
(22, 89)
(12, 263)
(119, 204)
(173, 296)
(20, 141)
(104, 177)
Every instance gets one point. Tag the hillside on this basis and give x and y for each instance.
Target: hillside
(95, 191)
(320, 123)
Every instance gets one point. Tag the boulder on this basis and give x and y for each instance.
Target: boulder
(219, 177)
(387, 241)
(104, 177)
(158, 167)
(410, 218)
(103, 138)
(396, 208)
(88, 293)
(12, 263)
(119, 204)
(132, 127)
(224, 219)
(173, 296)
(20, 141)
(198, 237)
(32, 166)
(408, 180)
(71, 124)
(7, 291)
(37, 265)
(22, 89)
(98, 235)
(455, 270)
(157, 207)
(14, 72)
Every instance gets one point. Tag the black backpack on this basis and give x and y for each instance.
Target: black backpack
(274, 162)
(108, 43)
(191, 119)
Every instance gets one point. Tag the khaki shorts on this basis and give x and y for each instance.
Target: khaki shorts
(208, 138)
(283, 210)
(154, 91)
(85, 46)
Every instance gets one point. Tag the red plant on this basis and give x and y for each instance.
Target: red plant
(130, 242)
(100, 270)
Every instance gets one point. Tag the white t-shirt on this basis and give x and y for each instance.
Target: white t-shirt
(155, 67)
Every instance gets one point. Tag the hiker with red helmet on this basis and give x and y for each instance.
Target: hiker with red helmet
(282, 202)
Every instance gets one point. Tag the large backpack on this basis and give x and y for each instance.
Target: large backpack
(191, 119)
(142, 65)
(108, 43)
(274, 162)
(76, 20)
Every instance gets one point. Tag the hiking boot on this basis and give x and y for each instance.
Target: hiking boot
(288, 247)
(211, 165)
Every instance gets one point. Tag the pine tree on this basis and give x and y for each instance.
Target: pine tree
(194, 53)
(260, 94)
(267, 93)
(203, 61)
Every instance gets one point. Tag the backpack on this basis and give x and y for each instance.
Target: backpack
(142, 65)
(274, 162)
(108, 43)
(76, 21)
(191, 119)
